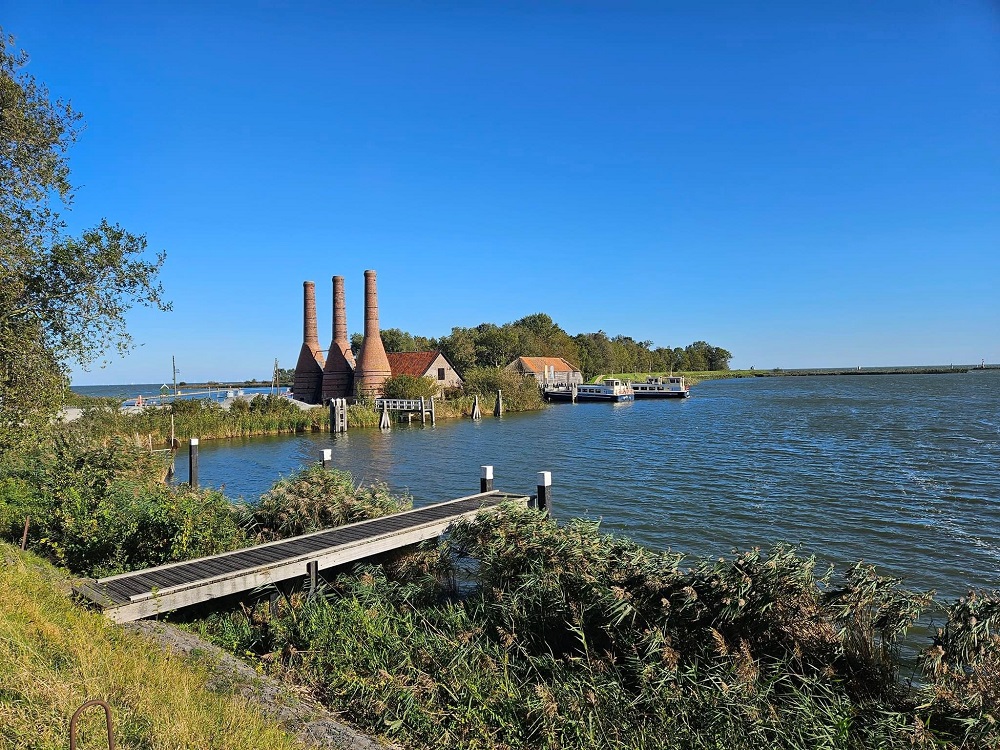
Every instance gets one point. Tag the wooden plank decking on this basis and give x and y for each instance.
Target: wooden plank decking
(145, 593)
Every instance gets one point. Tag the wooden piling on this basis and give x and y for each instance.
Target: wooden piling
(327, 457)
(433, 416)
(476, 413)
(545, 492)
(423, 411)
(498, 407)
(312, 571)
(384, 422)
(486, 479)
(193, 463)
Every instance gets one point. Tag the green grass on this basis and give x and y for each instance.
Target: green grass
(55, 656)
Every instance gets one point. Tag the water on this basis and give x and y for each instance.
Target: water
(152, 393)
(902, 471)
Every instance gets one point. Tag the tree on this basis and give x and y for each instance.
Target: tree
(63, 299)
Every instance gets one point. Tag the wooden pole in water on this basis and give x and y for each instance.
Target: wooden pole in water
(423, 411)
(433, 418)
(476, 413)
(498, 408)
(545, 492)
(486, 479)
(193, 462)
(384, 423)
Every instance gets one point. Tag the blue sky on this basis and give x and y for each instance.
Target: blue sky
(804, 184)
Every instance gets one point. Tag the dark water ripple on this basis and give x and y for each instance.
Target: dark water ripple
(901, 471)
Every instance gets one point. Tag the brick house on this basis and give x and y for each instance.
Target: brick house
(548, 371)
(433, 365)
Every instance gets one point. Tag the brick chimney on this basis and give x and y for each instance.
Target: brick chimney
(373, 366)
(338, 373)
(308, 383)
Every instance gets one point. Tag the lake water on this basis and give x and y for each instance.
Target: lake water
(902, 471)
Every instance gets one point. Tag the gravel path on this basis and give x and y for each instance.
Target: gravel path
(314, 725)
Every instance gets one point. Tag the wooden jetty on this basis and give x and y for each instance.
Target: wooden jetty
(146, 593)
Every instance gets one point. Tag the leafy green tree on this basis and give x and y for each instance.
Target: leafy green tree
(408, 386)
(63, 298)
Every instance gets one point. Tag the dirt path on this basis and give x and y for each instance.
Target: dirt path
(314, 725)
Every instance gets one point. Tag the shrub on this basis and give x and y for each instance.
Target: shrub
(407, 386)
(317, 498)
(519, 393)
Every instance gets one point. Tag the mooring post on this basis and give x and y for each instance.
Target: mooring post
(327, 457)
(423, 411)
(486, 479)
(384, 423)
(312, 570)
(433, 419)
(498, 408)
(572, 393)
(193, 463)
(545, 492)
(476, 413)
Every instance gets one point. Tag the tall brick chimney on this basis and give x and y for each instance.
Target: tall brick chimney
(308, 383)
(373, 366)
(338, 373)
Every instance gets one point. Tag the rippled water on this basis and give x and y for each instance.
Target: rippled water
(901, 471)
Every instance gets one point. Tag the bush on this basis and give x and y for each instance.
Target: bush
(407, 386)
(519, 393)
(317, 498)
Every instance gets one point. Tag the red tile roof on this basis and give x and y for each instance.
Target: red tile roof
(538, 364)
(411, 363)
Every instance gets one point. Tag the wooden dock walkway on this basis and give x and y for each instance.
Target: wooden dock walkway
(145, 593)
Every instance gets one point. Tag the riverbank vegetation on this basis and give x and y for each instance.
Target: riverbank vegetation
(569, 638)
(54, 656)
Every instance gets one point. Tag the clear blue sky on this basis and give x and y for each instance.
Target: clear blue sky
(804, 184)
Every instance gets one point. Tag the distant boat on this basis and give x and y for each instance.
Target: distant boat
(672, 386)
(611, 389)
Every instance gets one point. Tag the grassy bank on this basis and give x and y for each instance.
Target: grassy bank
(695, 377)
(55, 656)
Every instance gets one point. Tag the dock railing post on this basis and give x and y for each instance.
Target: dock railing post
(193, 463)
(545, 492)
(327, 457)
(486, 479)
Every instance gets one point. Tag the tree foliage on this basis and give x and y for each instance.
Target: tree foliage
(63, 298)
(490, 346)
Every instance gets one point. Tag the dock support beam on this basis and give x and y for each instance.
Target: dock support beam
(384, 423)
(423, 411)
(312, 571)
(193, 463)
(486, 479)
(545, 492)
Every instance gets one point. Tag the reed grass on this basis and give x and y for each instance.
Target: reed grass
(55, 656)
(571, 638)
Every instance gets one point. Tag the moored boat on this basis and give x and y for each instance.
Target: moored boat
(610, 389)
(663, 387)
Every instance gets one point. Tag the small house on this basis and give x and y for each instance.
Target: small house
(433, 365)
(548, 371)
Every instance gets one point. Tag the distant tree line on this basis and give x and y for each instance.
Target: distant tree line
(489, 345)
